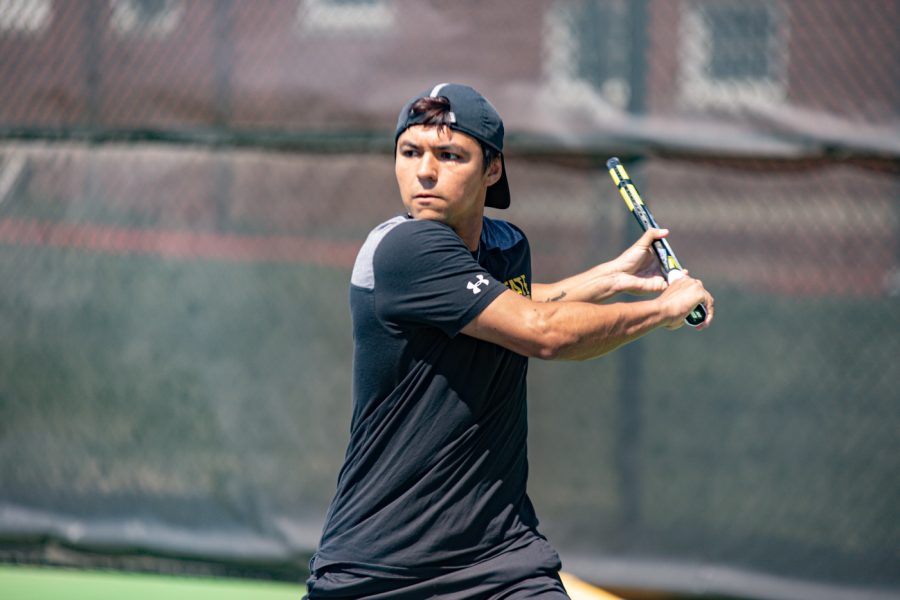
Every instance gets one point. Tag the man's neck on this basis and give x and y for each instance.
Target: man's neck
(470, 232)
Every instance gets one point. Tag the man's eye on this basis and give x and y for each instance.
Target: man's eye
(450, 156)
(408, 153)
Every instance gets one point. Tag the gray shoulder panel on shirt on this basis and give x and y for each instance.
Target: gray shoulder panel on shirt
(363, 272)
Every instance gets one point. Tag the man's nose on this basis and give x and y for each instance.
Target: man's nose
(427, 167)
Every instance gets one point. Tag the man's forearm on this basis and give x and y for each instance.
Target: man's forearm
(587, 331)
(594, 285)
(566, 330)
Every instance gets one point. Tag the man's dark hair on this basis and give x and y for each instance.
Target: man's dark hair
(436, 113)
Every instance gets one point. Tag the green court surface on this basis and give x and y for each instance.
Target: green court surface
(45, 583)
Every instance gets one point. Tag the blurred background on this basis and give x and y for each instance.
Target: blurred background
(184, 186)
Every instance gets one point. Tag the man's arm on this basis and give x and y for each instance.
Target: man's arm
(635, 271)
(582, 330)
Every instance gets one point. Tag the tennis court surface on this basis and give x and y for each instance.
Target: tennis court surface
(40, 583)
(44, 583)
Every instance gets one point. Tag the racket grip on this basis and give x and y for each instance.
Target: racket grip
(696, 316)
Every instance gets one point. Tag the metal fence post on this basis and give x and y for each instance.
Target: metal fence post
(629, 396)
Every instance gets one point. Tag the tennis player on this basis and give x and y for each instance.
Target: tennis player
(431, 499)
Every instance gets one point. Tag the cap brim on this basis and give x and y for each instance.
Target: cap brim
(498, 194)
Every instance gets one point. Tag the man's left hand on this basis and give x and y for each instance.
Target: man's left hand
(637, 268)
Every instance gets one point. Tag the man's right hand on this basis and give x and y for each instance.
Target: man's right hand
(680, 298)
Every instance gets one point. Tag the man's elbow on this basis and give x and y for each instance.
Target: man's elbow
(562, 350)
(549, 352)
(551, 342)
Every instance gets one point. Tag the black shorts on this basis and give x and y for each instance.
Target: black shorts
(508, 576)
(539, 587)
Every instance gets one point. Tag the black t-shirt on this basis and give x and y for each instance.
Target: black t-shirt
(435, 472)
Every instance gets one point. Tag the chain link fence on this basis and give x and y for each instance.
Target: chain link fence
(184, 186)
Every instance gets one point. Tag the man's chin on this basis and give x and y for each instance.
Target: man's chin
(429, 214)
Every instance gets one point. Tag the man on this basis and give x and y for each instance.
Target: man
(431, 499)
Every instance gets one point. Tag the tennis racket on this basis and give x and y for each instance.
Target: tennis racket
(667, 259)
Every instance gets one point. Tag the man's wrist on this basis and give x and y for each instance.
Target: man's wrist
(613, 267)
(667, 311)
(617, 283)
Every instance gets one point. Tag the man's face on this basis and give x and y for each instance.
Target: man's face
(441, 175)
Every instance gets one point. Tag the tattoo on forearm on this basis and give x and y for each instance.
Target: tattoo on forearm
(557, 298)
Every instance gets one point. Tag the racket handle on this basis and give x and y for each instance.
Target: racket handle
(696, 316)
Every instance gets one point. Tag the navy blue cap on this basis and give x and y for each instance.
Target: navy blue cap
(472, 114)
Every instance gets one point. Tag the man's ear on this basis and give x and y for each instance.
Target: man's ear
(495, 170)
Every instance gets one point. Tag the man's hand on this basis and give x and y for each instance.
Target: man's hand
(637, 269)
(681, 297)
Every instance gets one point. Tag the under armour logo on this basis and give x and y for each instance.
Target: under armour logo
(475, 287)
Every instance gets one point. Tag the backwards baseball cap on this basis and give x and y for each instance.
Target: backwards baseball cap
(472, 114)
